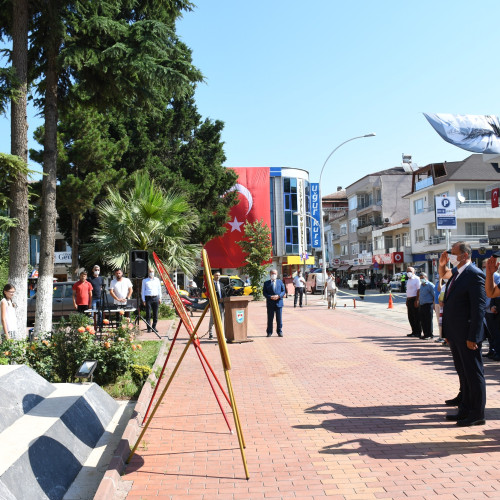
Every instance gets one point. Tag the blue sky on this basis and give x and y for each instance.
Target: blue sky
(293, 80)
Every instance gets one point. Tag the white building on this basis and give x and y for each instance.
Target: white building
(469, 180)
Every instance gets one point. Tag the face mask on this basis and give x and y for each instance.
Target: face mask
(422, 281)
(453, 260)
(273, 277)
(96, 273)
(151, 275)
(409, 275)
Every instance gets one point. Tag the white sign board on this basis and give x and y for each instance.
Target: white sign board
(446, 212)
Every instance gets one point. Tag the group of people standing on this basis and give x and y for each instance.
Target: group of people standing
(468, 308)
(88, 294)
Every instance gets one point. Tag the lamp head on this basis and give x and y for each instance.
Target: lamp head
(373, 134)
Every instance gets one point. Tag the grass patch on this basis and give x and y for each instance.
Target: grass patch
(124, 387)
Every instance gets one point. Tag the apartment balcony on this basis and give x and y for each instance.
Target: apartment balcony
(365, 230)
(479, 209)
(375, 207)
(474, 240)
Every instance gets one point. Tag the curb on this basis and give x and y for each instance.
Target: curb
(112, 477)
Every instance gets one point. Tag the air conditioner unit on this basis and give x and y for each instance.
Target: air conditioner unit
(387, 220)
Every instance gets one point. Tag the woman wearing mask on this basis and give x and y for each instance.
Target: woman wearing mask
(8, 313)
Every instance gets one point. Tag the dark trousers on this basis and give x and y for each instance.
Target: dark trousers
(413, 316)
(299, 293)
(271, 311)
(469, 367)
(152, 303)
(82, 308)
(426, 313)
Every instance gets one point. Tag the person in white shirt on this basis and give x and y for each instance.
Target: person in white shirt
(8, 320)
(331, 290)
(120, 289)
(412, 302)
(299, 283)
(151, 297)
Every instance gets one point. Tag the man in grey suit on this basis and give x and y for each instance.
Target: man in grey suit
(463, 328)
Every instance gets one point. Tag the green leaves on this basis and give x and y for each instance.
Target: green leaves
(145, 218)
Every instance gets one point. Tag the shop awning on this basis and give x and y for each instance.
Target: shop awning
(360, 268)
(343, 268)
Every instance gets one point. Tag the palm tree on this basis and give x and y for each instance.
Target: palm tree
(144, 218)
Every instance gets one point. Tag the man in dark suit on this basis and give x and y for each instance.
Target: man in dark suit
(463, 328)
(274, 291)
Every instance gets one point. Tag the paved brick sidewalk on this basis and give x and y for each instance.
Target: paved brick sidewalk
(344, 406)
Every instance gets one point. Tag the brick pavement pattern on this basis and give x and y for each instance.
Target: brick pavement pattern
(344, 406)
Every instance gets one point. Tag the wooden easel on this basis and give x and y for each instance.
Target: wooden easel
(193, 339)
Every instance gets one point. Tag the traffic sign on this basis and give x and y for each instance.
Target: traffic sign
(446, 212)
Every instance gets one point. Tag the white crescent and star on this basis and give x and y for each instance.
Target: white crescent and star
(235, 224)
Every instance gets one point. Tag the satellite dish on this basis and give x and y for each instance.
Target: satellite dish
(461, 197)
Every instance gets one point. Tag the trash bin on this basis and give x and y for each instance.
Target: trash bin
(236, 318)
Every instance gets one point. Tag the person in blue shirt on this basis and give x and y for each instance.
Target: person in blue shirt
(426, 306)
(438, 288)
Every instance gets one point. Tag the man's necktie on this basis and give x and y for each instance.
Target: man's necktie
(274, 286)
(450, 284)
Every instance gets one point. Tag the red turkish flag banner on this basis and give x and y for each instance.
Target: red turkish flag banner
(254, 204)
(494, 197)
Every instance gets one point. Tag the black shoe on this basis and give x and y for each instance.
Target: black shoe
(149, 330)
(414, 335)
(269, 334)
(427, 337)
(280, 334)
(470, 421)
(496, 357)
(210, 336)
(453, 402)
(455, 417)
(491, 353)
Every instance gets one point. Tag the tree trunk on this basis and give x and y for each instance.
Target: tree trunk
(43, 316)
(19, 235)
(75, 222)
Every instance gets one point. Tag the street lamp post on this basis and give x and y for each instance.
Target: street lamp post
(322, 224)
(314, 221)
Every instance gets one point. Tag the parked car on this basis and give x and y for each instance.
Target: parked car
(234, 284)
(395, 283)
(62, 300)
(352, 282)
(314, 282)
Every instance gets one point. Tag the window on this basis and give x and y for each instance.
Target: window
(419, 235)
(418, 206)
(406, 239)
(354, 249)
(344, 250)
(378, 197)
(291, 220)
(379, 243)
(474, 228)
(364, 200)
(398, 242)
(353, 203)
(388, 242)
(353, 225)
(343, 229)
(474, 195)
(60, 246)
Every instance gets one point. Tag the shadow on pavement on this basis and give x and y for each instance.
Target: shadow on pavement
(377, 419)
